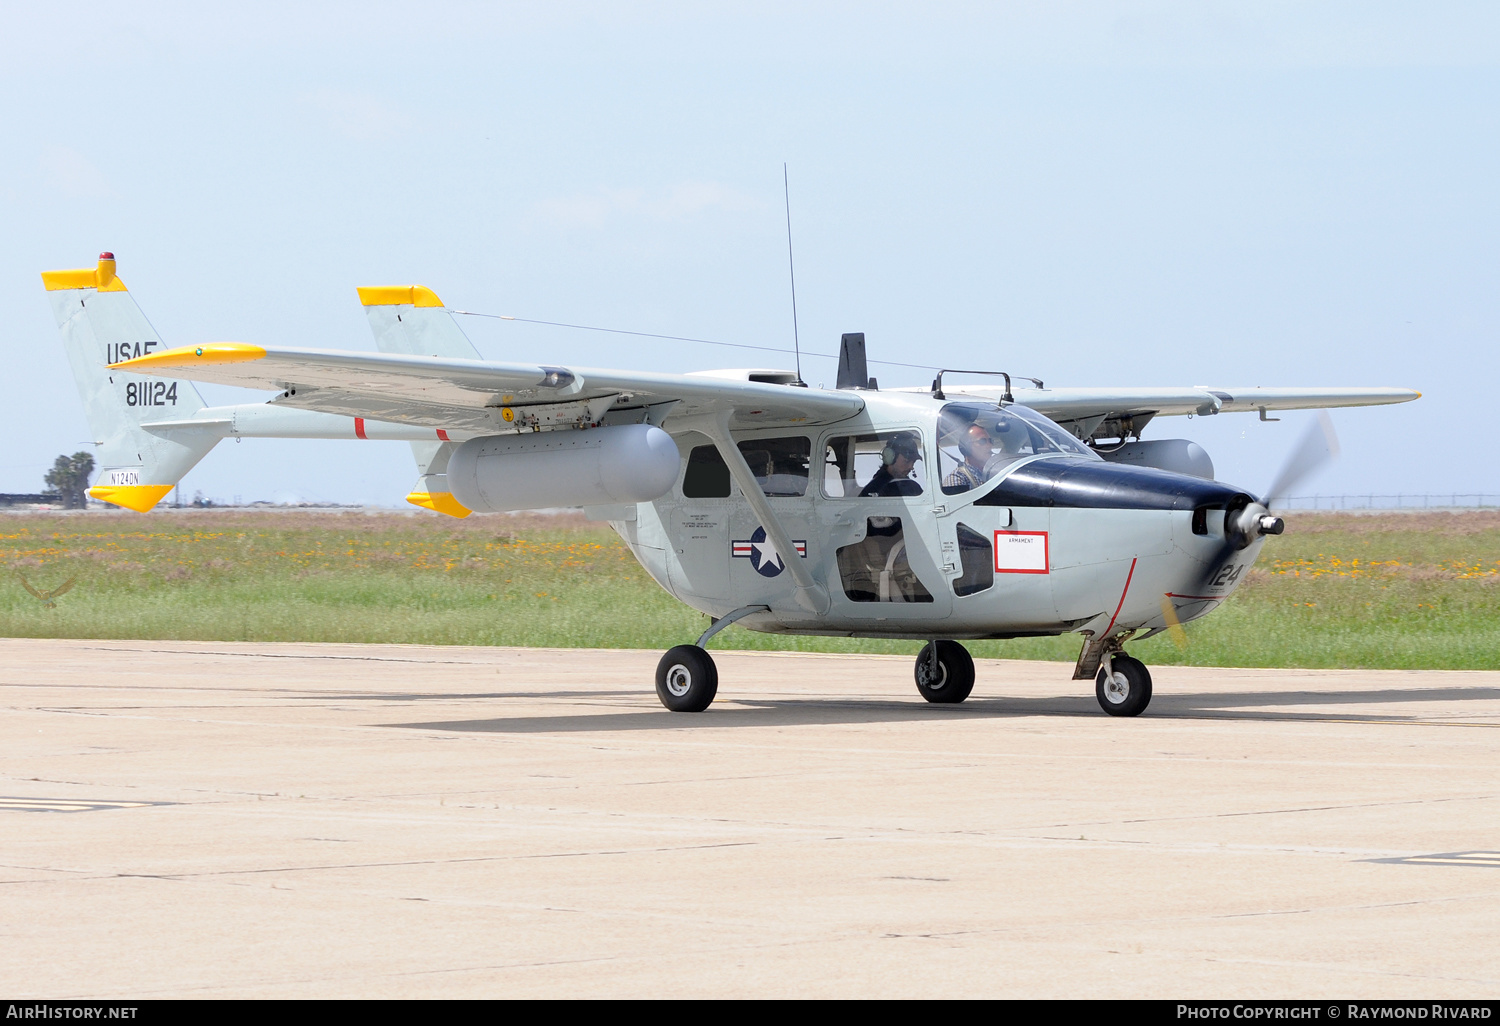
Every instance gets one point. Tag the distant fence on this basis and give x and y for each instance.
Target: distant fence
(1450, 500)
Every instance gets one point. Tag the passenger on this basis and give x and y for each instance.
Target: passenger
(893, 479)
(1012, 441)
(977, 448)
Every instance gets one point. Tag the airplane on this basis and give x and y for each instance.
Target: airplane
(938, 514)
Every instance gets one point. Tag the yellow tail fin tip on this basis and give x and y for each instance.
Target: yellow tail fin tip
(439, 502)
(101, 277)
(398, 295)
(141, 498)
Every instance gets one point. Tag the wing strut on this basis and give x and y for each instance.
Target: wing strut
(810, 595)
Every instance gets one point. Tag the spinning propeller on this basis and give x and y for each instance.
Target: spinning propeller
(1319, 446)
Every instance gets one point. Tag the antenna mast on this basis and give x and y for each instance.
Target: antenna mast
(792, 270)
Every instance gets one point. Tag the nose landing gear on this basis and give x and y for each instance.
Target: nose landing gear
(1123, 686)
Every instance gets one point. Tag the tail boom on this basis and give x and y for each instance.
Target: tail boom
(149, 431)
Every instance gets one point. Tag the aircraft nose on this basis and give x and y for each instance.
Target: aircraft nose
(1251, 522)
(1086, 484)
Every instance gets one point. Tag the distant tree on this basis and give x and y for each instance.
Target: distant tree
(69, 478)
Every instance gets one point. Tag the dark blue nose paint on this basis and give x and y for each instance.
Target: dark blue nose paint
(1086, 484)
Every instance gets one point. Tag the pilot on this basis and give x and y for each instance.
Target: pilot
(1012, 441)
(977, 448)
(898, 459)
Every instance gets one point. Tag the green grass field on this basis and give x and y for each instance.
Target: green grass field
(1380, 591)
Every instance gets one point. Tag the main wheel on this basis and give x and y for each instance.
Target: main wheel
(686, 679)
(1124, 690)
(954, 678)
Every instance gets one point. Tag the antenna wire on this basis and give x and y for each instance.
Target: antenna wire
(792, 271)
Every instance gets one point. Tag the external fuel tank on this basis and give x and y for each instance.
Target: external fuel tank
(594, 466)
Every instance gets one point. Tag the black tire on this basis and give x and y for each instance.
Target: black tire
(686, 679)
(1129, 692)
(955, 676)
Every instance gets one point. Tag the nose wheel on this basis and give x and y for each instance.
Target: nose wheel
(944, 672)
(1123, 686)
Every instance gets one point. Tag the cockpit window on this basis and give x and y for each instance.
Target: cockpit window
(976, 441)
(884, 464)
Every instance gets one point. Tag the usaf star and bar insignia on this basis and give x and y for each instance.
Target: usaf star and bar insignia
(762, 553)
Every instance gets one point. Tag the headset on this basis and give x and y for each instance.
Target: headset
(896, 446)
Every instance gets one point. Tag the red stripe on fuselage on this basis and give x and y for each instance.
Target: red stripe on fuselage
(1121, 606)
(443, 435)
(359, 428)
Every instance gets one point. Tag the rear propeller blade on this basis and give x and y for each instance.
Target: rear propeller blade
(1174, 625)
(1318, 446)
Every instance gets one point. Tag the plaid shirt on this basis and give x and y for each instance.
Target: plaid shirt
(962, 479)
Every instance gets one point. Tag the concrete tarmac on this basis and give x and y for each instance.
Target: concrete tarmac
(184, 819)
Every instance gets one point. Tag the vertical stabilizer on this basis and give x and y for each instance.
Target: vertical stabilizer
(853, 371)
(100, 325)
(411, 320)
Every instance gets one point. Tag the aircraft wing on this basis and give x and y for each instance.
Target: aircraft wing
(1074, 404)
(478, 395)
(1240, 400)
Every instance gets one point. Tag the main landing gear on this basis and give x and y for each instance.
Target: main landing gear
(687, 679)
(944, 672)
(1123, 686)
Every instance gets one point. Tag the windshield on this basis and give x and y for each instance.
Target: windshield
(976, 441)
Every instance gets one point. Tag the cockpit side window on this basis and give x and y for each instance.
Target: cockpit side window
(885, 464)
(976, 559)
(780, 465)
(976, 441)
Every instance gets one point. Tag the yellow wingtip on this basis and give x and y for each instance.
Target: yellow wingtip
(398, 295)
(101, 277)
(140, 498)
(439, 502)
(188, 356)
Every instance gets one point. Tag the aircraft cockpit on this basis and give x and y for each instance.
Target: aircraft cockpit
(977, 441)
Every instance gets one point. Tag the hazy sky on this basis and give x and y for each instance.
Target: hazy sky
(1092, 193)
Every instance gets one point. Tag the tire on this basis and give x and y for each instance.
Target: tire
(686, 679)
(1129, 692)
(955, 676)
